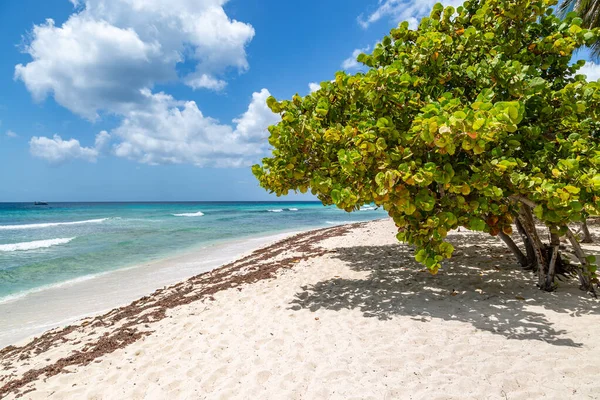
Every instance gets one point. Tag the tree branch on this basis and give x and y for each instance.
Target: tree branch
(523, 200)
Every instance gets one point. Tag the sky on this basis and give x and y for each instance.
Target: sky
(164, 100)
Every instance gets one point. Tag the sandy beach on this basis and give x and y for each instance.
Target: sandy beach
(58, 305)
(336, 313)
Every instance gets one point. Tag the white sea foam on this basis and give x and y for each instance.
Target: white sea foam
(276, 210)
(36, 244)
(367, 208)
(196, 214)
(340, 222)
(50, 224)
(292, 209)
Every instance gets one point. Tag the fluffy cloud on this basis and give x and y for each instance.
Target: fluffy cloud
(56, 151)
(107, 52)
(591, 70)
(11, 134)
(102, 141)
(206, 82)
(350, 62)
(108, 56)
(174, 132)
(403, 10)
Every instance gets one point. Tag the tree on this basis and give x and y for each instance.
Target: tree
(475, 119)
(588, 11)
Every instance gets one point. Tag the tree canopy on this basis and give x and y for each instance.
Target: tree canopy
(461, 122)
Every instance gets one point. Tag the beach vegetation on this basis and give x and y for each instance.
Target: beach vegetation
(477, 118)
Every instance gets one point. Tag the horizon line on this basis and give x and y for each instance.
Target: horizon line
(164, 201)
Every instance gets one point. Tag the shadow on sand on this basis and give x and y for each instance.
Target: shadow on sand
(480, 285)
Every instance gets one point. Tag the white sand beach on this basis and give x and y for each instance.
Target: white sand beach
(48, 307)
(341, 313)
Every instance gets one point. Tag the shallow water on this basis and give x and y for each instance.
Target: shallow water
(66, 260)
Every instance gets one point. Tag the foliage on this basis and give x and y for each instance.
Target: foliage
(450, 124)
(589, 11)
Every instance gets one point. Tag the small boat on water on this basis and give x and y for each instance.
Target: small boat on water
(40, 203)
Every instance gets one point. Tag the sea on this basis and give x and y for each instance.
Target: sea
(61, 261)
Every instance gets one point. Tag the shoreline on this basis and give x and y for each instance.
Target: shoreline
(155, 274)
(128, 331)
(336, 312)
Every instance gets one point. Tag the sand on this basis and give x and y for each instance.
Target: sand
(67, 302)
(343, 313)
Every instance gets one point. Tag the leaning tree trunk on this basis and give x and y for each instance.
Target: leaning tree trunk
(587, 237)
(586, 271)
(554, 255)
(542, 262)
(528, 246)
(515, 249)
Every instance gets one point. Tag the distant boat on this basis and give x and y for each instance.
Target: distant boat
(40, 203)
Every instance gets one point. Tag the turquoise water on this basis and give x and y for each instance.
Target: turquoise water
(46, 245)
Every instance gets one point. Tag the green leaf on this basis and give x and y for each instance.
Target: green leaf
(336, 196)
(591, 259)
(381, 145)
(421, 255)
(425, 201)
(479, 122)
(537, 83)
(539, 211)
(273, 104)
(477, 224)
(572, 189)
(446, 249)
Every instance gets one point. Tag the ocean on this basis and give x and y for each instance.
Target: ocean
(66, 251)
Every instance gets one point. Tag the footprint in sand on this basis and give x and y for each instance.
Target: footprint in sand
(262, 377)
(209, 383)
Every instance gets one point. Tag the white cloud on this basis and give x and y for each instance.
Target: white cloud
(56, 151)
(350, 62)
(109, 50)
(102, 141)
(313, 86)
(90, 65)
(175, 132)
(206, 82)
(403, 10)
(11, 134)
(110, 54)
(591, 70)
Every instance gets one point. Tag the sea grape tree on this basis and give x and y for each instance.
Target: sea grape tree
(477, 118)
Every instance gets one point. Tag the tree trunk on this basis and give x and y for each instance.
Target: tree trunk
(521, 258)
(587, 237)
(546, 260)
(528, 246)
(586, 272)
(554, 243)
(526, 218)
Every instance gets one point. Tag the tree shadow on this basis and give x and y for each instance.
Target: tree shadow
(480, 285)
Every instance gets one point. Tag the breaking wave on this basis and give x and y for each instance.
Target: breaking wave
(36, 244)
(196, 214)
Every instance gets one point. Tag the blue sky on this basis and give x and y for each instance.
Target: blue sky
(163, 99)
